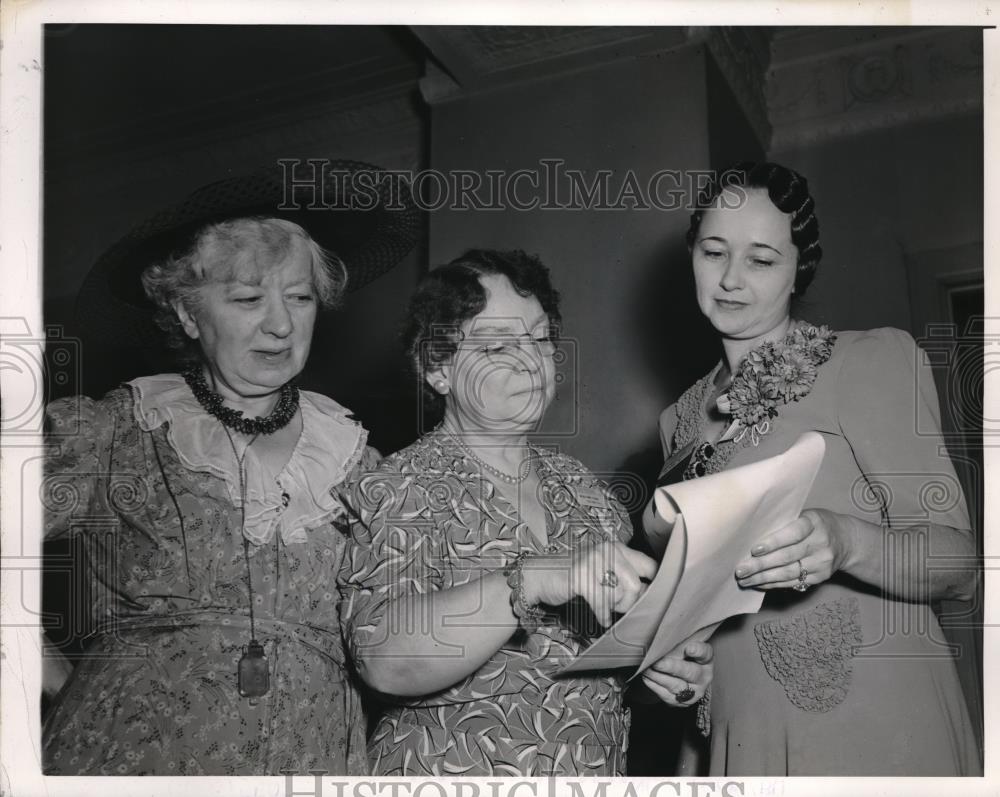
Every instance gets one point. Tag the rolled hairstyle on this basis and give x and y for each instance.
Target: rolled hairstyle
(226, 251)
(452, 294)
(788, 191)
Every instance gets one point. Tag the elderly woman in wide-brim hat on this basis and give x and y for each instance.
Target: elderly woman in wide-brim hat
(217, 650)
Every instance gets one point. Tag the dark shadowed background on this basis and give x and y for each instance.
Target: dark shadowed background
(886, 123)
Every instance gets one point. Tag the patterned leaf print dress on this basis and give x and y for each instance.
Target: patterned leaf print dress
(145, 478)
(429, 520)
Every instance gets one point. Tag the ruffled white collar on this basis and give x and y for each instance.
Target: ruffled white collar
(330, 445)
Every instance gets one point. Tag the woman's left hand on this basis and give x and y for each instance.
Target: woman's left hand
(814, 543)
(685, 672)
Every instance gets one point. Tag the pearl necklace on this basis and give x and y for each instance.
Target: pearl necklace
(506, 477)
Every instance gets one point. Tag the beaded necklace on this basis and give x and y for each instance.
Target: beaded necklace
(211, 402)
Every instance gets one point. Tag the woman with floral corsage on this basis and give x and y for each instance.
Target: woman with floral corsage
(844, 671)
(210, 502)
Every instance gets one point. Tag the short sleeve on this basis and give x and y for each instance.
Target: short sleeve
(622, 523)
(573, 476)
(369, 460)
(366, 462)
(393, 552)
(79, 434)
(888, 411)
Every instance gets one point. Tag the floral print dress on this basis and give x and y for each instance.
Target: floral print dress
(149, 482)
(428, 520)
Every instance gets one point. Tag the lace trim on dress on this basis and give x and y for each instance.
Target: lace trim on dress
(691, 422)
(690, 410)
(810, 654)
(300, 497)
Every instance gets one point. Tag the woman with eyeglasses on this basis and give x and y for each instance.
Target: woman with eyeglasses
(480, 562)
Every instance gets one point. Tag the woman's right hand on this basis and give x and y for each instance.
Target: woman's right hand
(607, 576)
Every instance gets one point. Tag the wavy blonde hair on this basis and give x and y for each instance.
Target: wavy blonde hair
(226, 250)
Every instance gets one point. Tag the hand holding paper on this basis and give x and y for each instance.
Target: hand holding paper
(682, 676)
(720, 517)
(810, 544)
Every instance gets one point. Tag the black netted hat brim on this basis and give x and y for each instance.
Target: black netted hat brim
(371, 224)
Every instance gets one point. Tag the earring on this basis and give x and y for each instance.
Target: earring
(441, 387)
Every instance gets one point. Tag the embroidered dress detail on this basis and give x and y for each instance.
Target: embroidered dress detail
(810, 654)
(771, 375)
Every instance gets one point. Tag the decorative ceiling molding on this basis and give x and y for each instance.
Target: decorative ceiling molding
(489, 49)
(468, 59)
(878, 81)
(742, 55)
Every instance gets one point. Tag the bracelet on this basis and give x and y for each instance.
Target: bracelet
(528, 616)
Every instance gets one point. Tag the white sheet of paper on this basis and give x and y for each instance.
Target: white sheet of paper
(720, 518)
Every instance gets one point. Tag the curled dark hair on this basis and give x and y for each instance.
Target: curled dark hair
(788, 191)
(452, 294)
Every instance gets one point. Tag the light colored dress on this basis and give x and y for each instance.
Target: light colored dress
(157, 691)
(429, 520)
(841, 680)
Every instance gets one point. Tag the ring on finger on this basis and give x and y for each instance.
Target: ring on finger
(609, 579)
(685, 694)
(801, 586)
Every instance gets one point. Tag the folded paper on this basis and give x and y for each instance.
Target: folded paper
(718, 520)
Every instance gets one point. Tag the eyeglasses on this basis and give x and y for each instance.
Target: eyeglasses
(512, 348)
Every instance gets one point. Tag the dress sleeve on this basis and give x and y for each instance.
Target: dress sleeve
(622, 523)
(888, 411)
(393, 551)
(366, 462)
(668, 423)
(369, 459)
(79, 433)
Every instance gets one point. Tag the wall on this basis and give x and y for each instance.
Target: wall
(886, 201)
(880, 197)
(636, 337)
(623, 274)
(355, 355)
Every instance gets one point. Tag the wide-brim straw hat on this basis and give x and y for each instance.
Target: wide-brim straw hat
(351, 209)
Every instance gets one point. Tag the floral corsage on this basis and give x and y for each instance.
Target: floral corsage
(773, 374)
(770, 376)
